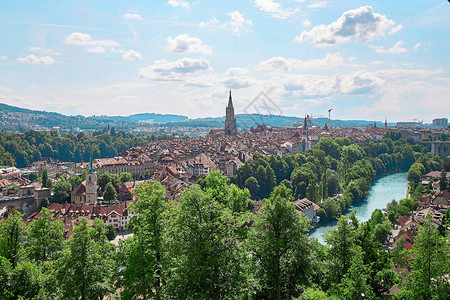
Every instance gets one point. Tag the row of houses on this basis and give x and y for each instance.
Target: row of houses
(406, 227)
(117, 215)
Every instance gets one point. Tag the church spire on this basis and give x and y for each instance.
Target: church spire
(230, 102)
(230, 120)
(91, 167)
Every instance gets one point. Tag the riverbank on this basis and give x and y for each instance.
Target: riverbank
(382, 191)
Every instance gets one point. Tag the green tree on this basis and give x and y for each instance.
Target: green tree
(32, 176)
(86, 270)
(271, 181)
(261, 176)
(5, 273)
(313, 294)
(300, 178)
(354, 283)
(341, 240)
(205, 258)
(45, 237)
(12, 234)
(75, 181)
(25, 281)
(329, 146)
(252, 184)
(103, 180)
(45, 178)
(394, 135)
(111, 232)
(332, 183)
(280, 246)
(61, 191)
(415, 172)
(125, 177)
(443, 181)
(110, 192)
(430, 263)
(142, 276)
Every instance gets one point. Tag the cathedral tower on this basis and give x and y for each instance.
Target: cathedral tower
(230, 120)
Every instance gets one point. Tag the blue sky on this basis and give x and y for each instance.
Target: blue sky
(365, 59)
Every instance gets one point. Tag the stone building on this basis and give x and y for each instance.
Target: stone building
(230, 120)
(86, 192)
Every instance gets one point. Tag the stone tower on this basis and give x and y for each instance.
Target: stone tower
(91, 184)
(230, 120)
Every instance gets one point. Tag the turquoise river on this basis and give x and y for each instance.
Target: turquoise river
(382, 191)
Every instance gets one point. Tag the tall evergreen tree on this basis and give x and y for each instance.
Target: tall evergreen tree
(45, 177)
(443, 181)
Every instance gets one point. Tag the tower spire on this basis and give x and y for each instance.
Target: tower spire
(230, 101)
(230, 120)
(91, 167)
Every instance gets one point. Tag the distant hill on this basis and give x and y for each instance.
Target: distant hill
(150, 118)
(13, 118)
(245, 121)
(156, 118)
(21, 119)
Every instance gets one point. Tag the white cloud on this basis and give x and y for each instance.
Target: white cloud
(211, 22)
(306, 23)
(32, 59)
(3, 57)
(417, 46)
(5, 90)
(130, 16)
(131, 55)
(237, 78)
(43, 51)
(396, 29)
(361, 82)
(165, 70)
(281, 64)
(84, 39)
(361, 24)
(181, 3)
(318, 4)
(238, 23)
(184, 43)
(396, 49)
(98, 49)
(274, 9)
(376, 62)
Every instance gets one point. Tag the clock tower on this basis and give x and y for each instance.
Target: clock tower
(91, 184)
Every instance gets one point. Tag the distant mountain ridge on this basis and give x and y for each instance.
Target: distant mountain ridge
(17, 118)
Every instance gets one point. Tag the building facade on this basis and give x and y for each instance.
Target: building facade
(440, 123)
(86, 192)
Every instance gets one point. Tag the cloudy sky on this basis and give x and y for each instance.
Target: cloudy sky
(365, 59)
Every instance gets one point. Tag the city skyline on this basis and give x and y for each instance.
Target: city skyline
(366, 60)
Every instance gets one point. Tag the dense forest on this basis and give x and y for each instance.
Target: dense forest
(36, 145)
(335, 172)
(209, 246)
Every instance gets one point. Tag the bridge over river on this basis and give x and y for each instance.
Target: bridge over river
(440, 148)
